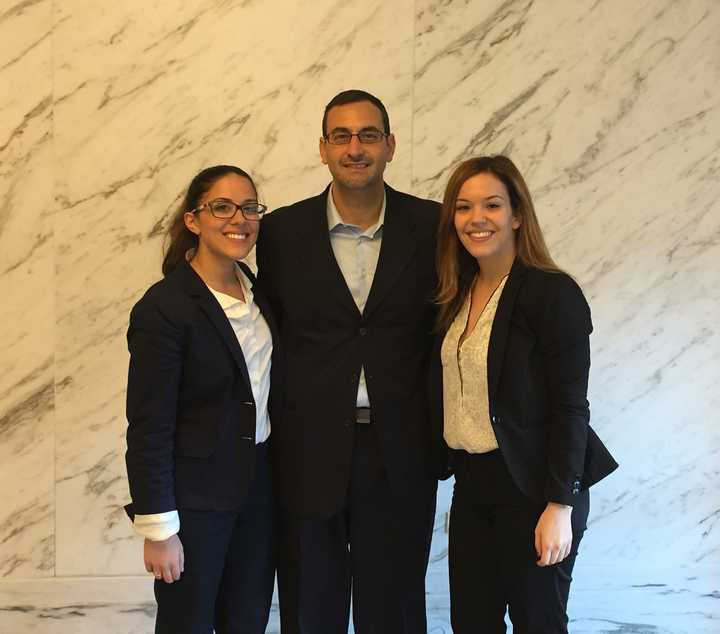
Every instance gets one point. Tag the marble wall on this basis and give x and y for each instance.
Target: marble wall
(611, 110)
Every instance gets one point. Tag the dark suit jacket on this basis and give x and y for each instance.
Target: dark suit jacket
(190, 407)
(326, 341)
(538, 364)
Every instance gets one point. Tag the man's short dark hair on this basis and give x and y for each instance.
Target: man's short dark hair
(355, 96)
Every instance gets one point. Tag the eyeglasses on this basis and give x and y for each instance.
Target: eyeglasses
(342, 137)
(225, 209)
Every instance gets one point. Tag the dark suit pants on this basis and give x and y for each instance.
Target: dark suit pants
(492, 554)
(229, 566)
(376, 549)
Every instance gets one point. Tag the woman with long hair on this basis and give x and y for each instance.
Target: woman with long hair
(513, 358)
(199, 406)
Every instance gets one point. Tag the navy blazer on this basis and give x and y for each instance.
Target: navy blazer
(190, 406)
(326, 341)
(538, 365)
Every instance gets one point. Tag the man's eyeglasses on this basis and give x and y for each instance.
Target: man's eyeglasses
(226, 209)
(343, 137)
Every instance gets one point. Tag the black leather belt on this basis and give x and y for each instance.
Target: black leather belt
(363, 416)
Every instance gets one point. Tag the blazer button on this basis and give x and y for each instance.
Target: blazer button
(363, 331)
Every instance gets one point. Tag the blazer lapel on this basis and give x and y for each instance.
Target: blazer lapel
(501, 325)
(263, 304)
(319, 261)
(196, 288)
(398, 246)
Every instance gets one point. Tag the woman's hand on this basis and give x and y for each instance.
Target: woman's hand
(165, 559)
(553, 534)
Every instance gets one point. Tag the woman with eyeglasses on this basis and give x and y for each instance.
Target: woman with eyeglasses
(199, 406)
(511, 375)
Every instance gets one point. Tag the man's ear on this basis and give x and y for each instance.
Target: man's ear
(391, 146)
(323, 158)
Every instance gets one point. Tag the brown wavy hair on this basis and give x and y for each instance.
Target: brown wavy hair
(455, 266)
(179, 238)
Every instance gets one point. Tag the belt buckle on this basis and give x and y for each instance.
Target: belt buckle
(362, 415)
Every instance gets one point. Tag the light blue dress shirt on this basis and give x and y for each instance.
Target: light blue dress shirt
(356, 252)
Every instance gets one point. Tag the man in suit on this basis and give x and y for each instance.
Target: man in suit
(351, 274)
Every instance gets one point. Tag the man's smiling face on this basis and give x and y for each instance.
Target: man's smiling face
(356, 165)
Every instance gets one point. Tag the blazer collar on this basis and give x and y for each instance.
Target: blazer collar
(501, 325)
(193, 285)
(326, 273)
(396, 250)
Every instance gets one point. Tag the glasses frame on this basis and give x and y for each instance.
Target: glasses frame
(208, 204)
(382, 134)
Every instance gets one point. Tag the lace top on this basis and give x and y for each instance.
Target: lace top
(465, 387)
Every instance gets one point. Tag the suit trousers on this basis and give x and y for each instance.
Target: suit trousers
(227, 583)
(375, 549)
(492, 554)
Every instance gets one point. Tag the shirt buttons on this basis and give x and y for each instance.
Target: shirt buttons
(362, 331)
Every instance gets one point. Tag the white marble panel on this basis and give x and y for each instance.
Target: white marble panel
(609, 108)
(610, 112)
(637, 603)
(145, 96)
(77, 605)
(27, 289)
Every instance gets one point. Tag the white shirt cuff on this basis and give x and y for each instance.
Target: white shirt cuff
(158, 526)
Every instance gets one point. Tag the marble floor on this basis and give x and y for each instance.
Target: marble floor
(689, 605)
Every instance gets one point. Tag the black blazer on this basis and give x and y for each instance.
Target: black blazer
(326, 341)
(538, 365)
(190, 407)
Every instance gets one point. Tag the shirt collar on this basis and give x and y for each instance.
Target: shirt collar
(228, 301)
(336, 223)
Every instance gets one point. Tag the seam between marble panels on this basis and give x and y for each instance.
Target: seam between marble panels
(53, 150)
(412, 100)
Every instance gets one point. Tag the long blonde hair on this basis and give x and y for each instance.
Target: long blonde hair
(455, 266)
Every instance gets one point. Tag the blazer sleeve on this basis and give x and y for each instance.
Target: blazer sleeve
(440, 452)
(155, 345)
(565, 348)
(264, 257)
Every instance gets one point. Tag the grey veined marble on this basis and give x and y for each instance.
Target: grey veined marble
(651, 608)
(610, 109)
